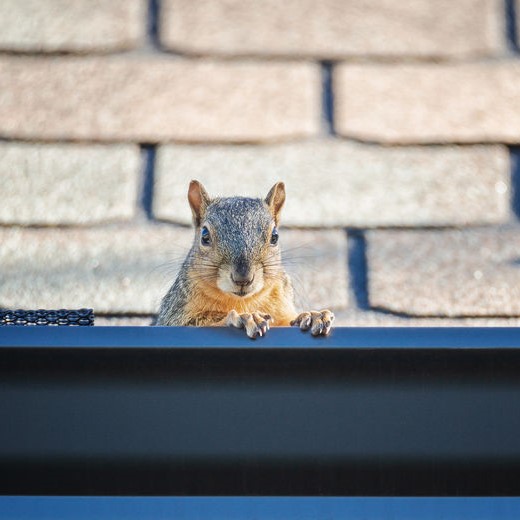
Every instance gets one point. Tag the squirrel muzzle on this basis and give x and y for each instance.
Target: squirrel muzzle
(240, 279)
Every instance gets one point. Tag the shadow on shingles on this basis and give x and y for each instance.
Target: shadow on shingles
(515, 262)
(515, 180)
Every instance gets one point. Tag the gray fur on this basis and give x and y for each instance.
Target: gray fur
(171, 311)
(240, 225)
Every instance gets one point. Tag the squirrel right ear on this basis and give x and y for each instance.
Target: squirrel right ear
(199, 201)
(275, 200)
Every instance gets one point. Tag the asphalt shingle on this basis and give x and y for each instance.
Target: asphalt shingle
(71, 26)
(334, 28)
(375, 318)
(445, 273)
(66, 184)
(317, 264)
(429, 103)
(114, 269)
(156, 99)
(334, 183)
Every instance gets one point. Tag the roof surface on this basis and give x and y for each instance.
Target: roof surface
(395, 126)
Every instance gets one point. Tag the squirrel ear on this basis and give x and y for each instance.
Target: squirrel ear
(199, 201)
(275, 200)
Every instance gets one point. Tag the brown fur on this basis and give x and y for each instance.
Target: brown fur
(208, 305)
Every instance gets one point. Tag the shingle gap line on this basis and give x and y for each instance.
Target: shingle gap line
(327, 98)
(358, 269)
(515, 180)
(153, 23)
(146, 198)
(511, 27)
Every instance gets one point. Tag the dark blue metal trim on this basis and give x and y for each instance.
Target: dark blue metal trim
(194, 411)
(238, 508)
(277, 338)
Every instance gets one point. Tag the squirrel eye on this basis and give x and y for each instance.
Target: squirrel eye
(205, 239)
(274, 237)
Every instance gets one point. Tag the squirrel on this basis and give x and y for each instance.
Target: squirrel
(233, 274)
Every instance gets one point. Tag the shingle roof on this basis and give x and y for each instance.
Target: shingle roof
(377, 114)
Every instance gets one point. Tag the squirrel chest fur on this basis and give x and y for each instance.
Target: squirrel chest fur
(233, 274)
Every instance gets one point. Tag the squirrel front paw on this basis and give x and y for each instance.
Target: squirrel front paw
(256, 324)
(319, 322)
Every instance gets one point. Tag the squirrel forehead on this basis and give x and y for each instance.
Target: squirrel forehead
(239, 213)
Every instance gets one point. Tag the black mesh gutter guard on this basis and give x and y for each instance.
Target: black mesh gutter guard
(43, 317)
(177, 411)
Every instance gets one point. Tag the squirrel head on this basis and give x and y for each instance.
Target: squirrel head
(236, 240)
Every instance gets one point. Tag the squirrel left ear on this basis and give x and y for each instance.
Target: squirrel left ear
(275, 200)
(199, 201)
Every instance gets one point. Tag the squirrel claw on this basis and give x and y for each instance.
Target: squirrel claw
(255, 324)
(319, 322)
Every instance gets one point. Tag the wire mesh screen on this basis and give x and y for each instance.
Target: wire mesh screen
(61, 317)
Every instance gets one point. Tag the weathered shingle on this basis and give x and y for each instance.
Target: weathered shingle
(429, 103)
(317, 264)
(71, 25)
(115, 269)
(446, 273)
(123, 321)
(156, 99)
(67, 184)
(334, 28)
(335, 183)
(127, 269)
(375, 318)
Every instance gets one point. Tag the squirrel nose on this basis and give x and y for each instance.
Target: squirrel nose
(242, 280)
